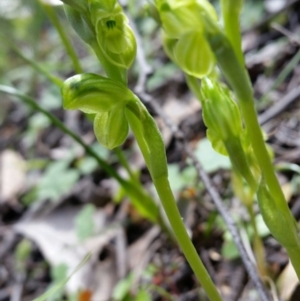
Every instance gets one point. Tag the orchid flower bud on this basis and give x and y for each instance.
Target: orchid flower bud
(220, 112)
(93, 93)
(184, 39)
(222, 117)
(114, 35)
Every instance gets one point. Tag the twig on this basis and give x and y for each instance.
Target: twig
(292, 37)
(147, 69)
(279, 106)
(271, 16)
(293, 94)
(179, 135)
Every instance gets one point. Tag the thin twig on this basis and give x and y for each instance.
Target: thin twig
(179, 135)
(292, 37)
(269, 17)
(277, 108)
(147, 69)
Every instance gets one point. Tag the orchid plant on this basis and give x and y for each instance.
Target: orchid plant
(196, 41)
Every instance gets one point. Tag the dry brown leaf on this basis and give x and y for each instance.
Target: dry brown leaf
(287, 282)
(55, 235)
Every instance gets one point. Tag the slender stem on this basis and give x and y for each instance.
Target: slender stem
(36, 66)
(231, 14)
(121, 157)
(153, 150)
(135, 192)
(168, 201)
(238, 78)
(64, 38)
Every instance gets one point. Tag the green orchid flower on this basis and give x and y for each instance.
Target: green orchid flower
(114, 35)
(184, 39)
(104, 97)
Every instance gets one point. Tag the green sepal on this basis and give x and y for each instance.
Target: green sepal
(79, 24)
(193, 54)
(118, 45)
(220, 112)
(111, 128)
(182, 16)
(103, 8)
(216, 142)
(281, 224)
(240, 161)
(92, 93)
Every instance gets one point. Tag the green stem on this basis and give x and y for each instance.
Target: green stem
(36, 66)
(162, 186)
(238, 78)
(121, 157)
(135, 192)
(152, 148)
(231, 14)
(64, 38)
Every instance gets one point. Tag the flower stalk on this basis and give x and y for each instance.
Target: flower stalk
(104, 26)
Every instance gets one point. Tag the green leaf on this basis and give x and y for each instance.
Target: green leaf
(180, 179)
(122, 288)
(57, 181)
(229, 250)
(143, 295)
(87, 165)
(209, 158)
(84, 222)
